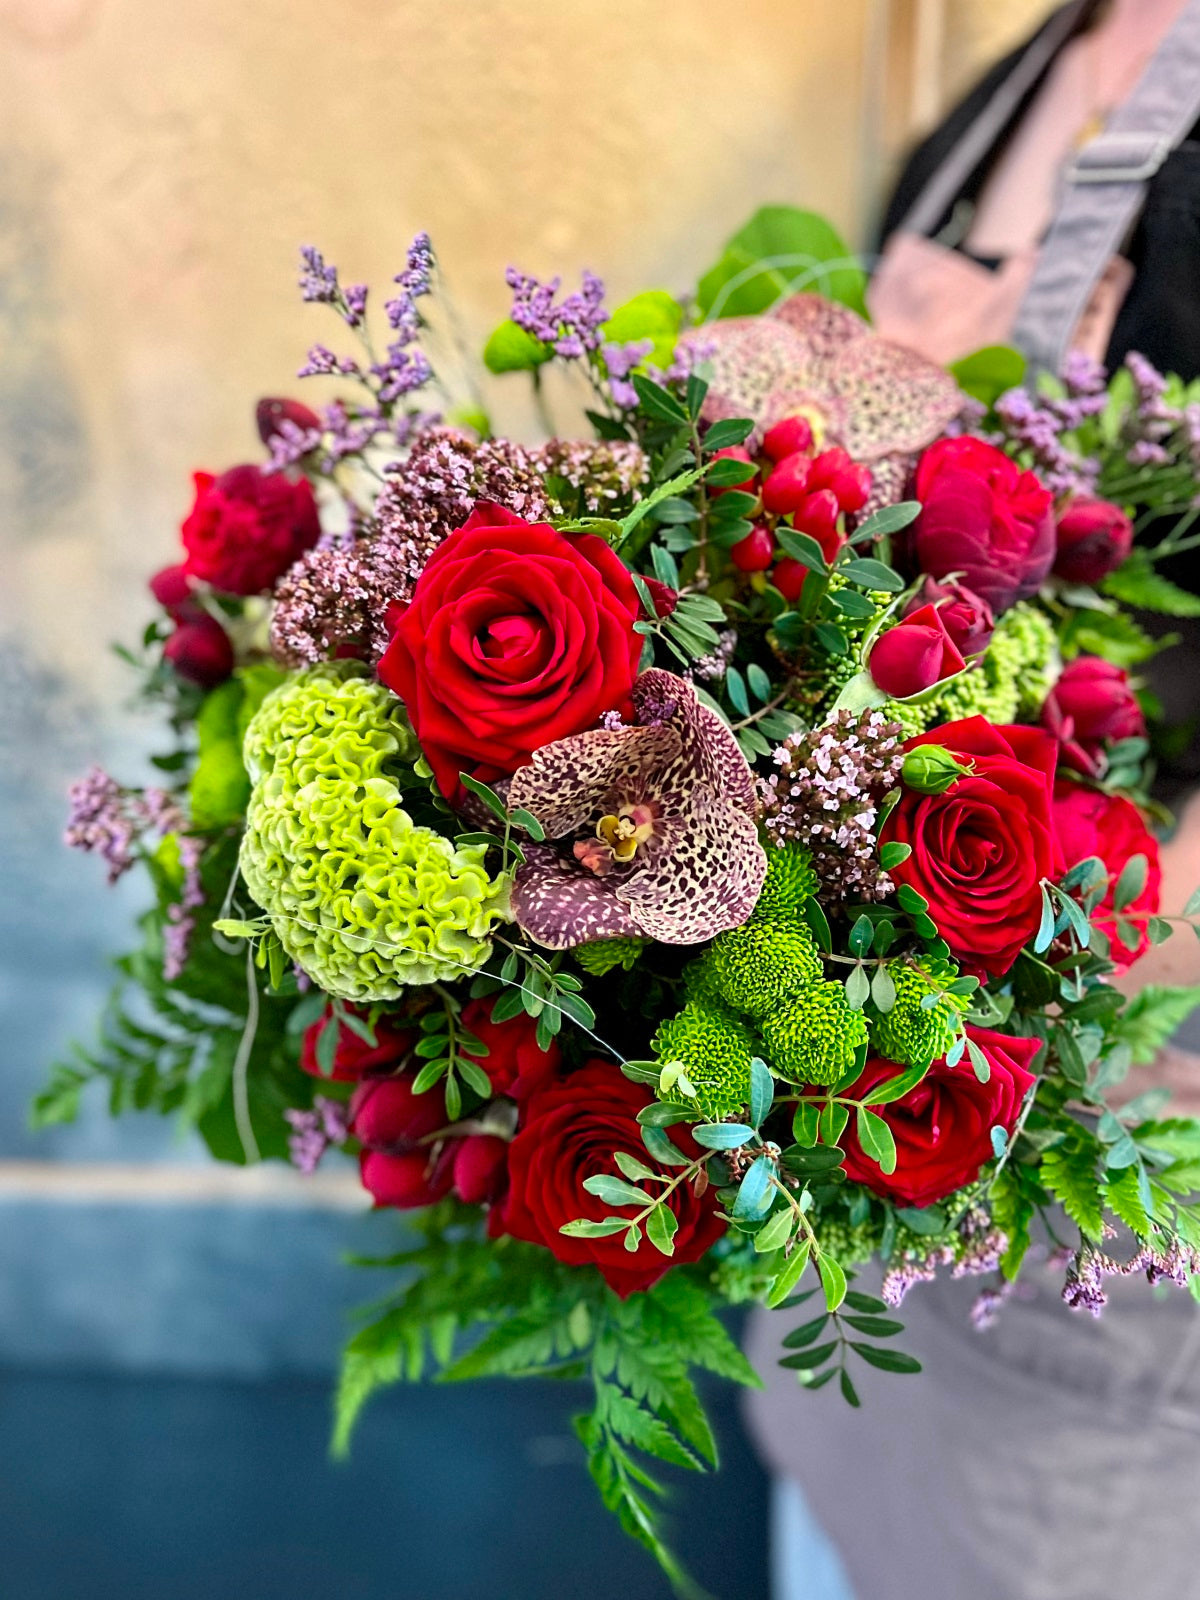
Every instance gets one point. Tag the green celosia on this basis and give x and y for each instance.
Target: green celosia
(789, 882)
(813, 1036)
(715, 1050)
(912, 1034)
(1012, 679)
(602, 955)
(360, 897)
(757, 965)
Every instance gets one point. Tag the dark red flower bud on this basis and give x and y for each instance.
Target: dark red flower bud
(967, 618)
(755, 552)
(786, 438)
(786, 486)
(479, 1164)
(914, 655)
(172, 589)
(270, 412)
(1091, 704)
(665, 598)
(401, 1164)
(1094, 538)
(200, 651)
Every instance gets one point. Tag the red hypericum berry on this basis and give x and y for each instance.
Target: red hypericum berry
(200, 651)
(172, 589)
(826, 467)
(270, 412)
(817, 516)
(755, 552)
(787, 485)
(789, 577)
(786, 438)
(734, 452)
(852, 487)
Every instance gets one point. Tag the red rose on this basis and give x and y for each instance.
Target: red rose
(914, 655)
(516, 635)
(201, 651)
(172, 588)
(247, 527)
(969, 620)
(353, 1057)
(390, 1122)
(943, 1127)
(981, 849)
(1093, 824)
(515, 1063)
(982, 519)
(1094, 537)
(1091, 704)
(569, 1131)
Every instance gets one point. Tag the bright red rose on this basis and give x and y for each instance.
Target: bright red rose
(569, 1131)
(969, 620)
(1094, 537)
(943, 1127)
(981, 849)
(1091, 704)
(515, 1063)
(353, 1057)
(516, 635)
(982, 519)
(914, 655)
(247, 527)
(1093, 824)
(201, 651)
(390, 1122)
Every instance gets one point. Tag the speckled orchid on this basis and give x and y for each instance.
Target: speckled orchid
(881, 402)
(650, 828)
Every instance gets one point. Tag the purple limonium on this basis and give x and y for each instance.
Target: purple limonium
(318, 280)
(322, 363)
(620, 361)
(100, 821)
(314, 1131)
(356, 304)
(572, 326)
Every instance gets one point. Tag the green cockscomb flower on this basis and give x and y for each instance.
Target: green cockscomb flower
(363, 899)
(813, 1036)
(913, 1034)
(715, 1050)
(602, 955)
(789, 882)
(757, 965)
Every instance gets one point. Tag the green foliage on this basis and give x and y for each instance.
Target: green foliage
(780, 251)
(1153, 1015)
(602, 955)
(757, 965)
(814, 1036)
(789, 882)
(1069, 1172)
(654, 314)
(1112, 635)
(511, 349)
(715, 1051)
(1137, 584)
(985, 374)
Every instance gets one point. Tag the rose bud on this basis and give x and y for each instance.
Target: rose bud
(914, 655)
(983, 519)
(818, 517)
(1094, 538)
(932, 769)
(786, 486)
(1090, 705)
(270, 412)
(734, 452)
(968, 619)
(247, 527)
(790, 437)
(755, 552)
(172, 588)
(665, 598)
(479, 1164)
(789, 577)
(353, 1058)
(200, 651)
(390, 1122)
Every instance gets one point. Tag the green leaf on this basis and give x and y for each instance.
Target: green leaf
(888, 520)
(654, 314)
(1069, 1172)
(489, 796)
(584, 1228)
(806, 1333)
(780, 251)
(615, 1191)
(803, 1360)
(987, 373)
(818, 923)
(895, 1088)
(849, 1392)
(893, 853)
(883, 990)
(762, 1091)
(872, 575)
(775, 1231)
(1116, 637)
(1138, 584)
(760, 684)
(661, 1226)
(877, 1140)
(658, 402)
(1152, 1017)
(858, 988)
(722, 1135)
(802, 547)
(864, 1302)
(632, 1167)
(789, 1274)
(754, 1192)
(727, 432)
(833, 1281)
(662, 1149)
(877, 1327)
(527, 820)
(510, 349)
(886, 1360)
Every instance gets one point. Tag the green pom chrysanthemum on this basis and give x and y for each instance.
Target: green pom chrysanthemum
(757, 965)
(602, 955)
(363, 899)
(813, 1036)
(913, 1034)
(715, 1050)
(789, 882)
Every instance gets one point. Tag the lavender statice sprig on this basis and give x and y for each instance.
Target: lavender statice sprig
(570, 326)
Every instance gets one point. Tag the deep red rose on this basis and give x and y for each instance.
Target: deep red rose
(201, 651)
(479, 1165)
(515, 1063)
(1094, 537)
(1091, 704)
(914, 655)
(247, 527)
(969, 620)
(569, 1131)
(516, 635)
(1093, 824)
(984, 520)
(354, 1058)
(981, 849)
(272, 411)
(390, 1122)
(943, 1127)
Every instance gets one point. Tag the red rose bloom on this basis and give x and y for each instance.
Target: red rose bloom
(1091, 704)
(390, 1121)
(516, 636)
(1093, 824)
(247, 527)
(968, 619)
(984, 520)
(354, 1058)
(943, 1127)
(569, 1132)
(515, 1063)
(981, 849)
(914, 655)
(1094, 537)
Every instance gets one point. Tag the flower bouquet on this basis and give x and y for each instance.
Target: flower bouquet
(680, 864)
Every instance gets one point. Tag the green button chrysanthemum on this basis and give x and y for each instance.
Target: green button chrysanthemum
(715, 1050)
(363, 899)
(755, 966)
(789, 882)
(910, 1033)
(813, 1037)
